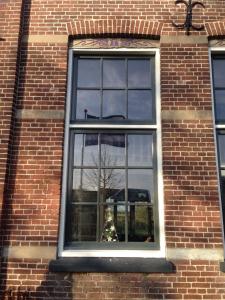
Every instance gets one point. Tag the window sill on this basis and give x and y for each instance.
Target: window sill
(111, 265)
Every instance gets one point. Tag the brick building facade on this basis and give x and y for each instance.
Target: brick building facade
(182, 254)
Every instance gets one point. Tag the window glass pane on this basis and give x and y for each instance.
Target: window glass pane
(112, 186)
(88, 74)
(140, 104)
(85, 185)
(88, 104)
(114, 73)
(86, 150)
(139, 74)
(220, 104)
(114, 104)
(112, 150)
(140, 186)
(83, 223)
(112, 223)
(140, 150)
(140, 224)
(221, 144)
(218, 69)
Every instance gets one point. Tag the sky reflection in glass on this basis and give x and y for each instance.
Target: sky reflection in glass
(140, 150)
(140, 104)
(112, 150)
(221, 140)
(114, 73)
(219, 76)
(220, 104)
(114, 103)
(89, 101)
(139, 73)
(89, 73)
(86, 154)
(85, 179)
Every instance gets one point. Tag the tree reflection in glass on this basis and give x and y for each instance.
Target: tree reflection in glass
(102, 164)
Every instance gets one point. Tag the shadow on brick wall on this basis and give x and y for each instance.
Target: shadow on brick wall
(5, 230)
(56, 286)
(99, 286)
(53, 287)
(23, 279)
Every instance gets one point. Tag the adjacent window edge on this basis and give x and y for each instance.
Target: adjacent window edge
(217, 51)
(222, 266)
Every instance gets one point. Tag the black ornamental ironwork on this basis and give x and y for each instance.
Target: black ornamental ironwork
(188, 21)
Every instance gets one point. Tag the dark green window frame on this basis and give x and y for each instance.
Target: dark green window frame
(101, 122)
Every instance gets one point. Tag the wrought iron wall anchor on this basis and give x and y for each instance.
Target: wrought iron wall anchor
(188, 22)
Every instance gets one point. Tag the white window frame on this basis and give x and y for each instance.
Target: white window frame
(113, 253)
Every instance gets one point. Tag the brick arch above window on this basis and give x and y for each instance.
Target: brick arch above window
(215, 29)
(114, 27)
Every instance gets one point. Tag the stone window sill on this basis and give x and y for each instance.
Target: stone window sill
(111, 265)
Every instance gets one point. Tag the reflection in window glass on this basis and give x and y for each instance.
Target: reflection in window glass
(104, 176)
(140, 224)
(218, 68)
(140, 150)
(220, 104)
(112, 150)
(88, 74)
(112, 223)
(86, 150)
(114, 104)
(114, 73)
(83, 223)
(140, 186)
(140, 104)
(85, 185)
(221, 144)
(139, 74)
(112, 185)
(88, 104)
(78, 144)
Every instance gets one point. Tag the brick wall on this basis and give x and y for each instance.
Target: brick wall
(192, 280)
(34, 39)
